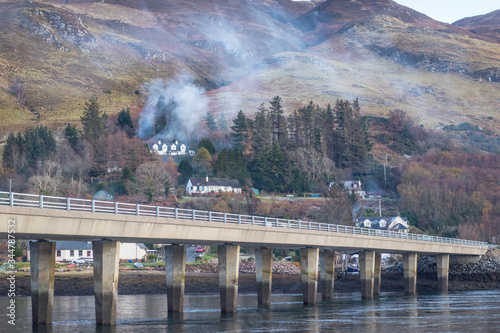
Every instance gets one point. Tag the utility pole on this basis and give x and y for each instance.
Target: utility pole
(385, 173)
(380, 207)
(10, 185)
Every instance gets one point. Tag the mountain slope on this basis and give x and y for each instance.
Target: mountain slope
(487, 26)
(55, 55)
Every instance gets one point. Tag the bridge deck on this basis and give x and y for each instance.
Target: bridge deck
(77, 219)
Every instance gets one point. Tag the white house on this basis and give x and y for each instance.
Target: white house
(353, 186)
(209, 185)
(67, 251)
(396, 223)
(174, 149)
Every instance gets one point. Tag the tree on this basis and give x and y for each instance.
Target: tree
(278, 122)
(240, 130)
(39, 145)
(125, 122)
(186, 171)
(207, 144)
(202, 161)
(262, 133)
(13, 157)
(73, 137)
(124, 118)
(222, 123)
(151, 179)
(94, 121)
(211, 124)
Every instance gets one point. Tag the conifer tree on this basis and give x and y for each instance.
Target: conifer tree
(240, 130)
(278, 122)
(94, 121)
(211, 124)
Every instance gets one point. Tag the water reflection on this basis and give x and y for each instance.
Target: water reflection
(391, 312)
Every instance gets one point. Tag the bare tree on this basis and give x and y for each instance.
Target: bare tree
(45, 184)
(314, 163)
(18, 89)
(151, 179)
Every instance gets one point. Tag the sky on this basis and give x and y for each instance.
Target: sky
(449, 11)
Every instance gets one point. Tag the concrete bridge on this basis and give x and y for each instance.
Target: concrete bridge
(44, 218)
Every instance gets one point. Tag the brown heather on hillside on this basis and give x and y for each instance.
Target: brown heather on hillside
(60, 53)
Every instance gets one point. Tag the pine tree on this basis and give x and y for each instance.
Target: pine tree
(186, 171)
(73, 137)
(124, 119)
(222, 123)
(94, 122)
(278, 122)
(240, 130)
(262, 133)
(211, 124)
(13, 157)
(207, 144)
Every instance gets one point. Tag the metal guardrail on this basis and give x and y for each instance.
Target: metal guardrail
(98, 206)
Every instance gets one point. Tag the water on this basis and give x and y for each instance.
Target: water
(475, 311)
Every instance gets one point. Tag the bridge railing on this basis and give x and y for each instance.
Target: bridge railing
(99, 206)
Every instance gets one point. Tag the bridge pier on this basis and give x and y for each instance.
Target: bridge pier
(327, 274)
(264, 275)
(106, 261)
(443, 266)
(377, 274)
(367, 273)
(175, 269)
(309, 272)
(410, 273)
(43, 263)
(228, 257)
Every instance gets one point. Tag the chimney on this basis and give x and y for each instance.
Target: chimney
(159, 142)
(176, 142)
(207, 179)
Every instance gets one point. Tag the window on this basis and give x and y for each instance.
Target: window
(80, 253)
(71, 253)
(58, 253)
(88, 254)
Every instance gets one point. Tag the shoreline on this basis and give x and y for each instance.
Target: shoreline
(135, 282)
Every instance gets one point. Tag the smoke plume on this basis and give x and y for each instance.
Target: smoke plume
(173, 110)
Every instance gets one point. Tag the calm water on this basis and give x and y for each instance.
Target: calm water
(476, 311)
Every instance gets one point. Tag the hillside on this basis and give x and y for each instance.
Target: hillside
(487, 26)
(55, 55)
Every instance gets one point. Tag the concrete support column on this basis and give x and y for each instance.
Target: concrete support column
(443, 267)
(106, 261)
(327, 274)
(229, 260)
(377, 274)
(367, 273)
(175, 268)
(410, 273)
(309, 271)
(43, 264)
(264, 275)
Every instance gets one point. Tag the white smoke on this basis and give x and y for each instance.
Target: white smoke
(190, 106)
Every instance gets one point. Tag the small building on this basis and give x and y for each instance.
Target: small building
(66, 251)
(212, 185)
(353, 186)
(103, 195)
(173, 149)
(396, 223)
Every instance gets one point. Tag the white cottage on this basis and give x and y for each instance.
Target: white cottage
(174, 149)
(212, 185)
(396, 223)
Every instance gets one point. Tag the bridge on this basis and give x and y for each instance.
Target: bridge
(44, 218)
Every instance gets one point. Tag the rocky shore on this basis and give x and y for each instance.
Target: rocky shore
(484, 274)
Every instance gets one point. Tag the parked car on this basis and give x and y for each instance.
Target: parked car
(82, 260)
(199, 249)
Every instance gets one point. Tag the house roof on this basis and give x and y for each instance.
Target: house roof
(234, 183)
(378, 218)
(73, 245)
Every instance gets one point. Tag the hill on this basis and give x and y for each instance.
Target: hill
(55, 55)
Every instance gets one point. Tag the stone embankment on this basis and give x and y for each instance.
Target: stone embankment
(489, 263)
(246, 268)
